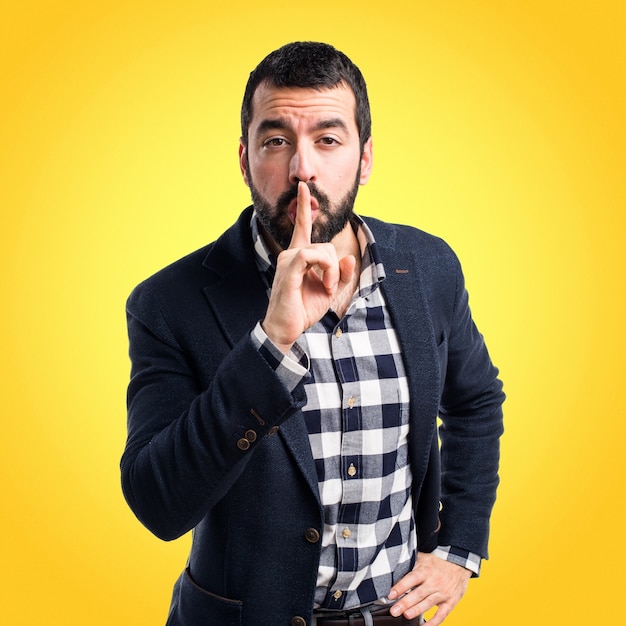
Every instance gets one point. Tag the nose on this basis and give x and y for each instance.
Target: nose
(302, 166)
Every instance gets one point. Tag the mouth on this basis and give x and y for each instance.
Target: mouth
(293, 208)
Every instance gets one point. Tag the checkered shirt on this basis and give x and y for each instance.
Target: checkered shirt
(356, 413)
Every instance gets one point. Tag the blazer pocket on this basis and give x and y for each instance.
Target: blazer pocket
(194, 606)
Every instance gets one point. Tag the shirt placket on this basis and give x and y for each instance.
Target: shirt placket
(346, 534)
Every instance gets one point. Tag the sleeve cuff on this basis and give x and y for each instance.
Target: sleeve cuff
(290, 368)
(465, 559)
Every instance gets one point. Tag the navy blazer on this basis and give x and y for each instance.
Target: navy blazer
(217, 444)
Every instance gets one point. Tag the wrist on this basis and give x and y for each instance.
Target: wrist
(276, 339)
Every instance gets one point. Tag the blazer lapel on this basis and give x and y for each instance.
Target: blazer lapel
(296, 438)
(411, 316)
(235, 291)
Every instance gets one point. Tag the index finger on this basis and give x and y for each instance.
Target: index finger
(303, 224)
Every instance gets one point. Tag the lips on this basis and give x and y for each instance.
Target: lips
(293, 207)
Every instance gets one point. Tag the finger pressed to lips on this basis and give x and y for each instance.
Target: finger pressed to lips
(292, 210)
(303, 219)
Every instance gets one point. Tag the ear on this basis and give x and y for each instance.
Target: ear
(243, 162)
(366, 162)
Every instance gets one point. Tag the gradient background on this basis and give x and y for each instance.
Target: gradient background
(498, 126)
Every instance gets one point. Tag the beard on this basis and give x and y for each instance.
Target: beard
(330, 220)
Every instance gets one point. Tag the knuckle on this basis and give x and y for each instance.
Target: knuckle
(302, 255)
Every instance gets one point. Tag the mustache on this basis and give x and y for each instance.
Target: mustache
(290, 194)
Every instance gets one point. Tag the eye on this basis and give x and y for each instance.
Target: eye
(274, 142)
(329, 141)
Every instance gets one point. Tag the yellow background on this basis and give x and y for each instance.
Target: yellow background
(497, 125)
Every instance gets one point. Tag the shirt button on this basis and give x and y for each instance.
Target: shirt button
(351, 401)
(346, 533)
(352, 470)
(338, 333)
(337, 595)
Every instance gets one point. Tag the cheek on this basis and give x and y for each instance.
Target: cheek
(343, 180)
(266, 188)
(266, 176)
(347, 173)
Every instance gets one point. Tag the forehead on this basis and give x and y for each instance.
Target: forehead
(303, 104)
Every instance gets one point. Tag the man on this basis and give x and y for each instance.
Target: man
(287, 379)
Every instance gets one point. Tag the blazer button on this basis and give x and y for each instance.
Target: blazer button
(298, 621)
(312, 535)
(250, 435)
(243, 444)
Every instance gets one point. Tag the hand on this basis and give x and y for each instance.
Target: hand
(432, 582)
(307, 277)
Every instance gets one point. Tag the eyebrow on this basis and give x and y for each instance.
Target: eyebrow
(280, 123)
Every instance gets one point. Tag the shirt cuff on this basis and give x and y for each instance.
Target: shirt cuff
(465, 559)
(290, 368)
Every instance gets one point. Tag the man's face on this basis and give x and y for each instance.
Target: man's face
(309, 135)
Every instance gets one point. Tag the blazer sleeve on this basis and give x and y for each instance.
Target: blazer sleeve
(471, 426)
(190, 436)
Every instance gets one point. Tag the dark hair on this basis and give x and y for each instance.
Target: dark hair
(309, 64)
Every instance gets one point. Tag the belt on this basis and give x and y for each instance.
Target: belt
(379, 617)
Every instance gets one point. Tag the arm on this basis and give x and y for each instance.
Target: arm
(471, 427)
(471, 416)
(183, 451)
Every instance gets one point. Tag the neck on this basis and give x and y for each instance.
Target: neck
(346, 243)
